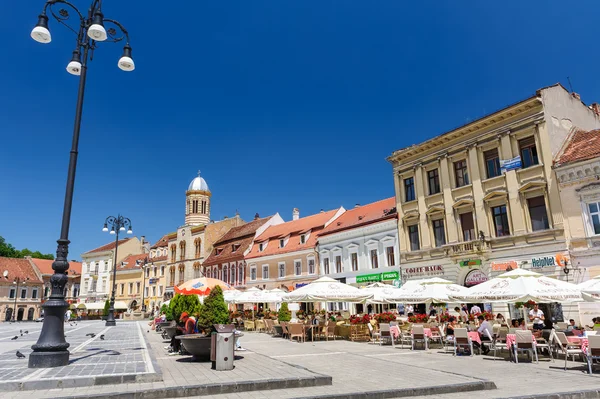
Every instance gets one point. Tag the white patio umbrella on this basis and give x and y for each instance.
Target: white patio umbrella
(254, 295)
(521, 286)
(380, 291)
(326, 289)
(434, 289)
(228, 296)
(591, 289)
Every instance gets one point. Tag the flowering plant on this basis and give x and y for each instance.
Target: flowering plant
(385, 317)
(418, 318)
(356, 319)
(445, 317)
(528, 304)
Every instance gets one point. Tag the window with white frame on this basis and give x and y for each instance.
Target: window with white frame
(389, 253)
(146, 291)
(281, 270)
(240, 274)
(303, 239)
(374, 259)
(354, 261)
(297, 267)
(13, 293)
(281, 243)
(130, 288)
(253, 273)
(34, 293)
(122, 288)
(265, 272)
(137, 287)
(338, 264)
(311, 265)
(594, 210)
(23, 293)
(325, 265)
(153, 290)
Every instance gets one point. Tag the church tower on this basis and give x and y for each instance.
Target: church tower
(197, 202)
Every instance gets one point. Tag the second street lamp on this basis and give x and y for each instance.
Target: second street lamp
(51, 349)
(116, 224)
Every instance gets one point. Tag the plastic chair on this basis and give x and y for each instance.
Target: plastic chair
(461, 338)
(593, 351)
(385, 334)
(524, 343)
(418, 335)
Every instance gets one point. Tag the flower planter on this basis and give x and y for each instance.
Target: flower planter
(170, 331)
(278, 330)
(196, 345)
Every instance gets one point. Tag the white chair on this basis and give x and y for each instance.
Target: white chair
(524, 343)
(375, 335)
(436, 334)
(560, 325)
(418, 335)
(593, 351)
(461, 338)
(565, 347)
(500, 340)
(385, 334)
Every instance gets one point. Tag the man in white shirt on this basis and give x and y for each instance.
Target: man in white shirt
(536, 316)
(485, 332)
(409, 309)
(475, 310)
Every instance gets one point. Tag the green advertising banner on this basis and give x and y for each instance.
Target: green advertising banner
(390, 276)
(470, 262)
(368, 278)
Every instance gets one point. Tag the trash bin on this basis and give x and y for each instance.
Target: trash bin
(224, 345)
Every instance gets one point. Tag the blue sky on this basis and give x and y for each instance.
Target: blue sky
(280, 104)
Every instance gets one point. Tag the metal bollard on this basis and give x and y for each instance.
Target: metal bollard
(224, 351)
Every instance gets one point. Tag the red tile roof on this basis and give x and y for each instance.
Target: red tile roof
(582, 146)
(17, 267)
(132, 262)
(163, 242)
(363, 215)
(294, 228)
(159, 258)
(45, 266)
(108, 247)
(240, 236)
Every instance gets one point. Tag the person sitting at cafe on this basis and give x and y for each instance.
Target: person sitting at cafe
(485, 332)
(522, 325)
(514, 323)
(187, 325)
(452, 324)
(592, 326)
(500, 319)
(536, 315)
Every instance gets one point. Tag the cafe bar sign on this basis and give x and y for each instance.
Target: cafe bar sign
(372, 278)
(470, 262)
(436, 270)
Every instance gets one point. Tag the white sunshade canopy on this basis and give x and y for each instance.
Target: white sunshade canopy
(119, 305)
(254, 295)
(380, 291)
(326, 289)
(521, 286)
(590, 289)
(434, 289)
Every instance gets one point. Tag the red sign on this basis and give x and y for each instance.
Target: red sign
(475, 277)
(502, 266)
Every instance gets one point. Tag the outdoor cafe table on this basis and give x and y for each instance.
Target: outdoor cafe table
(312, 328)
(474, 335)
(395, 331)
(581, 341)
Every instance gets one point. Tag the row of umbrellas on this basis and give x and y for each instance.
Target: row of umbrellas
(518, 285)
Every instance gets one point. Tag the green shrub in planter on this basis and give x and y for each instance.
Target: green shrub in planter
(284, 314)
(213, 311)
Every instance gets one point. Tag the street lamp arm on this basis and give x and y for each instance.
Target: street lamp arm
(63, 15)
(112, 33)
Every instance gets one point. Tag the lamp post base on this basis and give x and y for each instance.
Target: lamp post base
(39, 360)
(110, 319)
(110, 323)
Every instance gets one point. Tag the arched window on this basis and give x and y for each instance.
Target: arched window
(204, 207)
(241, 274)
(172, 276)
(225, 276)
(173, 252)
(232, 277)
(182, 250)
(208, 274)
(181, 273)
(197, 270)
(198, 246)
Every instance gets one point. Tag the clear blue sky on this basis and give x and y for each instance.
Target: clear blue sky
(280, 104)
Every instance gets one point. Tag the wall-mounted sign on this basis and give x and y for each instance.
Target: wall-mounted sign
(470, 262)
(397, 283)
(298, 285)
(368, 278)
(371, 278)
(475, 277)
(436, 270)
(153, 280)
(502, 266)
(543, 261)
(510, 164)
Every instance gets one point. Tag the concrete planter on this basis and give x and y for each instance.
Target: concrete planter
(170, 331)
(196, 345)
(278, 330)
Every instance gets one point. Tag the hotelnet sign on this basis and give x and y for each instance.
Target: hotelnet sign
(436, 270)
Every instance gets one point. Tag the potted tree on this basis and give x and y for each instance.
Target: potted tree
(213, 311)
(105, 311)
(284, 315)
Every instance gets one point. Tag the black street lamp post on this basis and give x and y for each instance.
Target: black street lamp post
(116, 224)
(144, 268)
(51, 349)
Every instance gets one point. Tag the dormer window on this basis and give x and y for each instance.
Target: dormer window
(235, 247)
(303, 239)
(260, 247)
(282, 243)
(219, 250)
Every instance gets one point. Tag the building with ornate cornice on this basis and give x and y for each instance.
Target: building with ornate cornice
(193, 242)
(577, 169)
(483, 197)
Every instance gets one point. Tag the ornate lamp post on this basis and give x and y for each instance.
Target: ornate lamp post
(144, 268)
(116, 224)
(51, 349)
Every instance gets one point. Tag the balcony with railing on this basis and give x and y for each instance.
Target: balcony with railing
(467, 248)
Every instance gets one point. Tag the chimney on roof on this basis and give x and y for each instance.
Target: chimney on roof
(256, 216)
(357, 205)
(596, 108)
(296, 214)
(576, 95)
(322, 211)
(225, 217)
(143, 238)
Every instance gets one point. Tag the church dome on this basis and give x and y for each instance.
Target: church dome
(198, 184)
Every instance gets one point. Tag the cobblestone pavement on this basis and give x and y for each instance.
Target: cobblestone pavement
(362, 367)
(122, 352)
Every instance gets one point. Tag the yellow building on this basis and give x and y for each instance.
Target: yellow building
(129, 281)
(479, 199)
